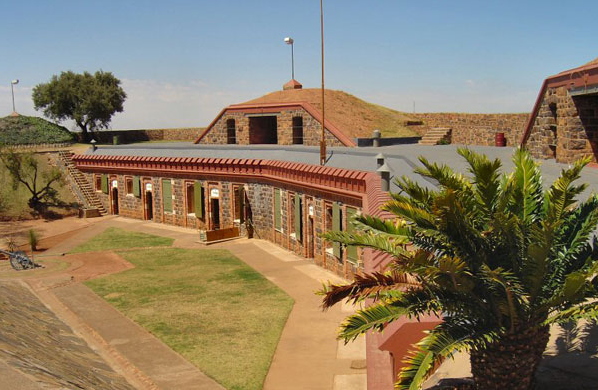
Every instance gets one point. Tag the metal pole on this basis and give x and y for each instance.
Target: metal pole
(293, 60)
(323, 140)
(12, 89)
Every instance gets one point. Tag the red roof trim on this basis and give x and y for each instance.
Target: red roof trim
(277, 107)
(338, 181)
(579, 77)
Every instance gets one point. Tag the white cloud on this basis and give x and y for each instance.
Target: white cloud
(160, 104)
(156, 104)
(149, 104)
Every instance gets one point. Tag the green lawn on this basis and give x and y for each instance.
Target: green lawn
(207, 305)
(115, 238)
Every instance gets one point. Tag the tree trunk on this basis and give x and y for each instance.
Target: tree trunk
(511, 362)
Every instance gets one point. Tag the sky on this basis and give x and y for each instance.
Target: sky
(181, 62)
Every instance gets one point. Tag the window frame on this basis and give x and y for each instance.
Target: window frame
(296, 128)
(190, 200)
(278, 194)
(129, 181)
(98, 183)
(231, 129)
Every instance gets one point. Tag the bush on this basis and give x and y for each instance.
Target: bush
(30, 130)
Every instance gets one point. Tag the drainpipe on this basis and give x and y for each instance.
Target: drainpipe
(376, 138)
(379, 160)
(384, 172)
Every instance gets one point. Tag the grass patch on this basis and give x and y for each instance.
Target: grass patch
(207, 305)
(115, 238)
(22, 130)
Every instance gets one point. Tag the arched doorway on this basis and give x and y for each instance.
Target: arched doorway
(114, 201)
(149, 206)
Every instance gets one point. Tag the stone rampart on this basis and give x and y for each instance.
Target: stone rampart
(477, 129)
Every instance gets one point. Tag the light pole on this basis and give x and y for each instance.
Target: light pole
(323, 140)
(12, 90)
(290, 41)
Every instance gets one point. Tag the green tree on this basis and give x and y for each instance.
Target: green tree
(24, 168)
(89, 100)
(494, 255)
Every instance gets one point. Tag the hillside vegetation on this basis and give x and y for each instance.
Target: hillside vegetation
(355, 117)
(28, 130)
(13, 201)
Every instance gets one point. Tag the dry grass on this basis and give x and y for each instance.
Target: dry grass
(115, 238)
(207, 305)
(355, 117)
(15, 201)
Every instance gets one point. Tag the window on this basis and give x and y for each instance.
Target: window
(277, 210)
(328, 227)
(98, 182)
(231, 132)
(199, 194)
(190, 195)
(292, 216)
(297, 211)
(239, 203)
(129, 185)
(167, 195)
(337, 226)
(351, 249)
(297, 130)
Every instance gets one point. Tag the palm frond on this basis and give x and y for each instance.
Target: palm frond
(380, 242)
(368, 286)
(444, 175)
(486, 175)
(421, 195)
(562, 193)
(373, 317)
(411, 213)
(527, 196)
(450, 336)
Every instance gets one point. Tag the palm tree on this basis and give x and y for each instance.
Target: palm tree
(494, 255)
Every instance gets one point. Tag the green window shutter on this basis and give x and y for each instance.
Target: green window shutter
(167, 195)
(298, 232)
(351, 249)
(277, 211)
(198, 199)
(137, 186)
(105, 184)
(241, 204)
(336, 226)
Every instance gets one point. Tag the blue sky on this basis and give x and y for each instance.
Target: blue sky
(182, 61)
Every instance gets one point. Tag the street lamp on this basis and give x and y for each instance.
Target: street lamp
(12, 89)
(290, 41)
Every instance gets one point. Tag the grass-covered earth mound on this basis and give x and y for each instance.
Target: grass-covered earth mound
(355, 117)
(29, 130)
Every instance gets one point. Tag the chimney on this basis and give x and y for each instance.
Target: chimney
(293, 84)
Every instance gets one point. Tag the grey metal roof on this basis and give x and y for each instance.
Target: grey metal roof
(401, 159)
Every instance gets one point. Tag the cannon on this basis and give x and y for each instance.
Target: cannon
(19, 260)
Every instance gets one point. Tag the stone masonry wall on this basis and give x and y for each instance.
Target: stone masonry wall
(311, 129)
(566, 127)
(477, 129)
(138, 135)
(260, 198)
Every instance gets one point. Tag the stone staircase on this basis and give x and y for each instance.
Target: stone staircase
(436, 135)
(79, 184)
